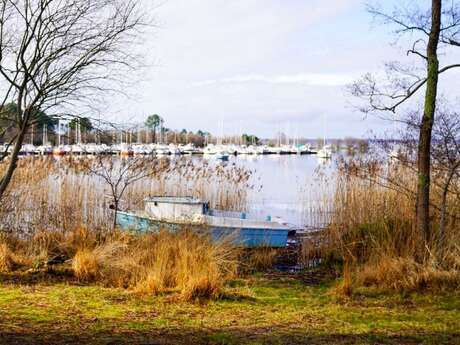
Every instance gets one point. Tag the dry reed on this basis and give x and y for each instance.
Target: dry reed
(6, 258)
(373, 229)
(259, 259)
(59, 195)
(51, 203)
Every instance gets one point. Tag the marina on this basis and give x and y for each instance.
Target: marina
(219, 151)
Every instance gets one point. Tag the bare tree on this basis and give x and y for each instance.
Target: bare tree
(430, 30)
(119, 174)
(58, 53)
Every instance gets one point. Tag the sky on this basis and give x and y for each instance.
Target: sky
(259, 66)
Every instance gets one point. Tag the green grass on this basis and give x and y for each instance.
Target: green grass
(255, 310)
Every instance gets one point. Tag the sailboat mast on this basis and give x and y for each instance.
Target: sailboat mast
(324, 129)
(59, 133)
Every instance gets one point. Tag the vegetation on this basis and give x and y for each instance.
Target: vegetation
(430, 29)
(84, 124)
(152, 123)
(372, 229)
(249, 139)
(186, 263)
(385, 269)
(69, 51)
(61, 195)
(260, 309)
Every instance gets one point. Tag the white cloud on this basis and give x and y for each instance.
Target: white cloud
(312, 79)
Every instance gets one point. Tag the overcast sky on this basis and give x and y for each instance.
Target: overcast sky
(260, 66)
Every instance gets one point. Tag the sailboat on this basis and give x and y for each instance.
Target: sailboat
(59, 149)
(326, 151)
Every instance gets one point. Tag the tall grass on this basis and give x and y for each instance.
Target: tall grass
(188, 264)
(372, 229)
(51, 203)
(58, 195)
(6, 258)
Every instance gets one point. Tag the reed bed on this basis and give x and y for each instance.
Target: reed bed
(59, 195)
(56, 216)
(372, 231)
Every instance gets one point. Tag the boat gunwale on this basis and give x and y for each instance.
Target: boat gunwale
(261, 226)
(186, 200)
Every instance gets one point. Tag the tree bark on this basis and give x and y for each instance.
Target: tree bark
(424, 146)
(6, 178)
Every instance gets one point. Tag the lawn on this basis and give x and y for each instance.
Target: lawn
(260, 309)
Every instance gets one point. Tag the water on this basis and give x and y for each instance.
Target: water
(294, 188)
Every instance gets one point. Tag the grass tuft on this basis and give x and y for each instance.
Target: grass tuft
(6, 258)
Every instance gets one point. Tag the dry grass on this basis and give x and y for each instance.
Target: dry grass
(405, 274)
(85, 264)
(59, 195)
(187, 263)
(259, 259)
(6, 258)
(51, 203)
(90, 264)
(373, 229)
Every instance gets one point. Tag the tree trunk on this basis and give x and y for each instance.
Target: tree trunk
(424, 146)
(115, 214)
(6, 178)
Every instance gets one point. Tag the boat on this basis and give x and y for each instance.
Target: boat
(59, 151)
(161, 151)
(77, 149)
(210, 150)
(173, 149)
(44, 150)
(325, 152)
(27, 149)
(126, 150)
(175, 213)
(222, 155)
(188, 149)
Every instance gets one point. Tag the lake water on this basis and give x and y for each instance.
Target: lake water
(292, 187)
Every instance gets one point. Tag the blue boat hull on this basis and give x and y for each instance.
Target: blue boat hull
(245, 237)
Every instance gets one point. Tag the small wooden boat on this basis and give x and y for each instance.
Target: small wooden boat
(174, 213)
